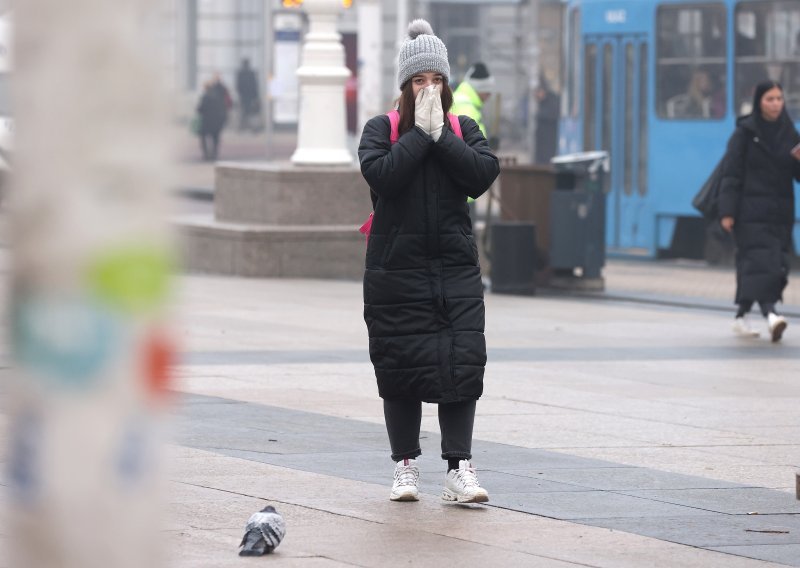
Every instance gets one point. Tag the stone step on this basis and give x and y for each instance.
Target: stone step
(271, 251)
(277, 193)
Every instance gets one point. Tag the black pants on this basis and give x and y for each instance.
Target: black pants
(746, 305)
(209, 142)
(403, 418)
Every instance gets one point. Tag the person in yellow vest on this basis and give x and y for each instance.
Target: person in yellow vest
(471, 94)
(468, 100)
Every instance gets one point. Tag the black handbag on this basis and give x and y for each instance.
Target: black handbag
(707, 198)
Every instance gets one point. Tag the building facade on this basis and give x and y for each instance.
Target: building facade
(519, 40)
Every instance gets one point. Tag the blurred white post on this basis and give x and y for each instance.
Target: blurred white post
(91, 263)
(322, 129)
(402, 22)
(402, 31)
(370, 28)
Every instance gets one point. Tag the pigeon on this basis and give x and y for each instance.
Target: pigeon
(264, 532)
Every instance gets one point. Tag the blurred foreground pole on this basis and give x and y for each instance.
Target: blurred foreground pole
(91, 263)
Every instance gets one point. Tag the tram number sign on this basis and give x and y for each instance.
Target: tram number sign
(616, 16)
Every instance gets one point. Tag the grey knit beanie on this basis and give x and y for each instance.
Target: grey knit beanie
(421, 52)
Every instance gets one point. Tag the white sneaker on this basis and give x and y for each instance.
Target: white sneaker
(406, 478)
(462, 485)
(741, 327)
(777, 325)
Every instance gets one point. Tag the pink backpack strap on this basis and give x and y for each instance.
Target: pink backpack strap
(394, 121)
(366, 228)
(455, 125)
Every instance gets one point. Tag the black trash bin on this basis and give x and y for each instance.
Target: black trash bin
(513, 257)
(578, 215)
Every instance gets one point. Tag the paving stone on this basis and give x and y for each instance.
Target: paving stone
(713, 531)
(787, 554)
(588, 505)
(642, 353)
(503, 457)
(626, 478)
(730, 500)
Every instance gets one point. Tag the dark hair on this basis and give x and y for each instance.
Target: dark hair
(761, 89)
(406, 104)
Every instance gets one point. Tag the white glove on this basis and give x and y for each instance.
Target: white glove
(437, 113)
(422, 110)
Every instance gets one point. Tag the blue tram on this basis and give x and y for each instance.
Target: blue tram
(659, 85)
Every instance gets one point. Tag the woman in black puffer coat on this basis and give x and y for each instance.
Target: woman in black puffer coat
(756, 203)
(423, 294)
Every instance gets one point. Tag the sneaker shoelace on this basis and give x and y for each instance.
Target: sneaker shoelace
(467, 477)
(406, 475)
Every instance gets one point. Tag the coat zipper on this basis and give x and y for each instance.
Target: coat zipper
(451, 353)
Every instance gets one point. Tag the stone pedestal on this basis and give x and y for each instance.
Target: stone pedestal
(279, 220)
(297, 220)
(278, 193)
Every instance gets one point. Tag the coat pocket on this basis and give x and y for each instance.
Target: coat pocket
(472, 245)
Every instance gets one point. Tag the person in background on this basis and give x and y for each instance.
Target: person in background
(468, 100)
(213, 113)
(696, 101)
(423, 296)
(248, 92)
(547, 115)
(472, 93)
(222, 90)
(756, 204)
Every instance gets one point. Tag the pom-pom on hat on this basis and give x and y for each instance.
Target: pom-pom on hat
(421, 52)
(479, 77)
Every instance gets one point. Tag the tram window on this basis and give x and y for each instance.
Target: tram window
(691, 80)
(768, 47)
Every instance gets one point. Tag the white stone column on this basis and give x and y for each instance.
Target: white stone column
(370, 94)
(91, 265)
(402, 22)
(322, 129)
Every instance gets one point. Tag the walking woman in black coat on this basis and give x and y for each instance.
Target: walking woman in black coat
(757, 204)
(213, 115)
(422, 284)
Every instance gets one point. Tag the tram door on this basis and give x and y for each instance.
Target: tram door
(615, 120)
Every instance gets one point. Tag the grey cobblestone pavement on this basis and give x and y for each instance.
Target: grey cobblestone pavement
(689, 510)
(610, 434)
(685, 282)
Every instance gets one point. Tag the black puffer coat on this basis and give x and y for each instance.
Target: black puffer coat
(758, 192)
(422, 285)
(212, 111)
